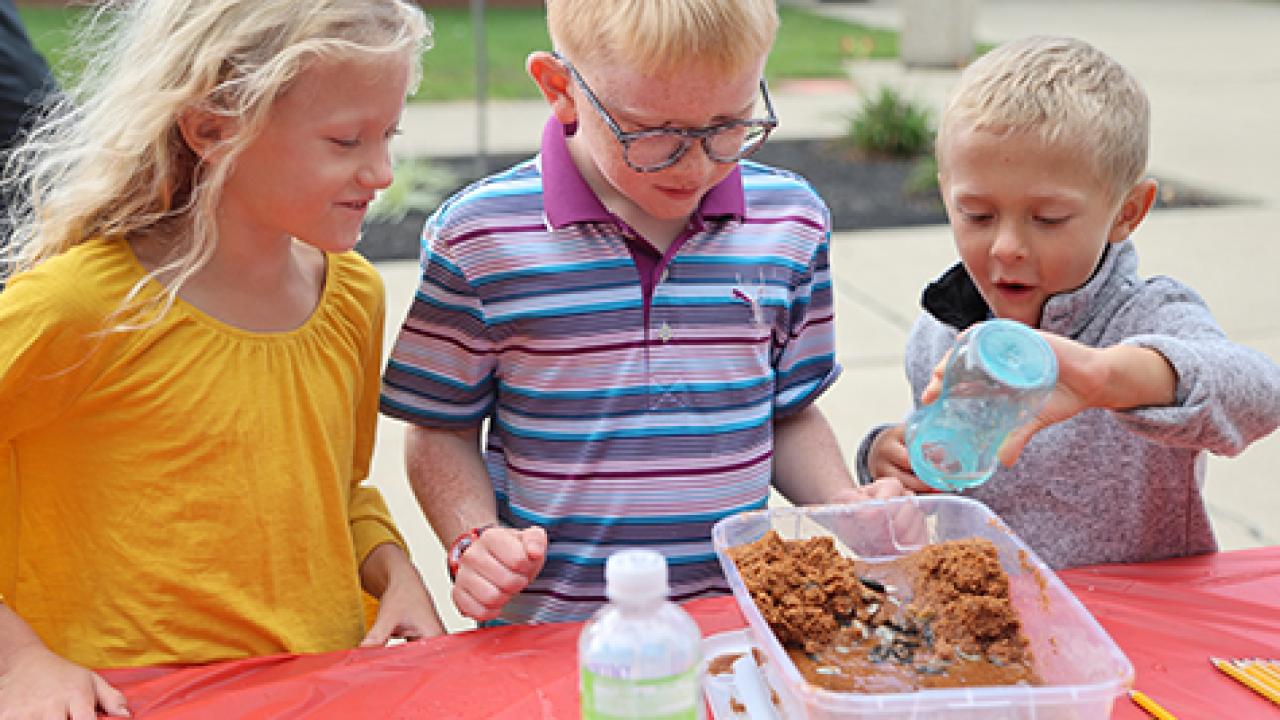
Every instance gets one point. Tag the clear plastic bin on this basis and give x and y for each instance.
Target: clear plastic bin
(1082, 667)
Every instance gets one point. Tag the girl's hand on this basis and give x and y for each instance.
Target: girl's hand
(499, 564)
(43, 686)
(888, 458)
(405, 611)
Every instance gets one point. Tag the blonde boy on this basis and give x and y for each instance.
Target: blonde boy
(643, 320)
(1042, 156)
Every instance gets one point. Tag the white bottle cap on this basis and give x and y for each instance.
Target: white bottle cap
(635, 575)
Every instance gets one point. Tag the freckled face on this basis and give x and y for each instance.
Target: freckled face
(1030, 219)
(692, 97)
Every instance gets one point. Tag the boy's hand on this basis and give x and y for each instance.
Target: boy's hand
(43, 685)
(405, 611)
(882, 489)
(888, 458)
(934, 388)
(1087, 377)
(1083, 374)
(881, 529)
(499, 564)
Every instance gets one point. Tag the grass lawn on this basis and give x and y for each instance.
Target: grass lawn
(808, 46)
(50, 31)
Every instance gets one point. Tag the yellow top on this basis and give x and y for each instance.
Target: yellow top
(189, 492)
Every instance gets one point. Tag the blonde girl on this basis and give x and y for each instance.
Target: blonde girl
(190, 352)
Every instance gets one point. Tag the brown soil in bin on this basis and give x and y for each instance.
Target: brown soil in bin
(938, 617)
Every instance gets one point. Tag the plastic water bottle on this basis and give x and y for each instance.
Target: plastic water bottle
(998, 376)
(640, 655)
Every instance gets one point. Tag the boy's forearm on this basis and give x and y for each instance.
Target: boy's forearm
(1227, 395)
(1138, 377)
(448, 476)
(808, 467)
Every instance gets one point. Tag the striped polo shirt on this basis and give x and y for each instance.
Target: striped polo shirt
(630, 394)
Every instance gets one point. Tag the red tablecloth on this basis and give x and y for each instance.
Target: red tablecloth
(1168, 617)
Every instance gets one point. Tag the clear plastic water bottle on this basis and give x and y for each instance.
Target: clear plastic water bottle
(998, 376)
(640, 656)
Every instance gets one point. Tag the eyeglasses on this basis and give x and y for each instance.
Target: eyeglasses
(658, 148)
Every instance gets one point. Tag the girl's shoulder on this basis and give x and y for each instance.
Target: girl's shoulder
(87, 281)
(354, 292)
(355, 277)
(57, 315)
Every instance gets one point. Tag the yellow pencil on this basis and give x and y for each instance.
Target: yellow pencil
(1153, 709)
(1270, 667)
(1246, 679)
(1258, 680)
(1255, 670)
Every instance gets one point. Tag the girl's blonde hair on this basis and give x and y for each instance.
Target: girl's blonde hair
(662, 35)
(1066, 91)
(108, 159)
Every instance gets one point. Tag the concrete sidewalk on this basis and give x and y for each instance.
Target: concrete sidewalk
(1212, 69)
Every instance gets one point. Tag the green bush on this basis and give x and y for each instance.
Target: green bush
(922, 181)
(888, 125)
(418, 185)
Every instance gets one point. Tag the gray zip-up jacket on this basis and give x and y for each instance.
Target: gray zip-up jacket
(1119, 486)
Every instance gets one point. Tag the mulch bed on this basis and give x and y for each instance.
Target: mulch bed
(862, 193)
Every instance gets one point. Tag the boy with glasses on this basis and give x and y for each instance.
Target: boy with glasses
(644, 320)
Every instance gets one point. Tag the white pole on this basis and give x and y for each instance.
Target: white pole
(482, 88)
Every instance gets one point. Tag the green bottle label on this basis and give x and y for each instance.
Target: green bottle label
(675, 697)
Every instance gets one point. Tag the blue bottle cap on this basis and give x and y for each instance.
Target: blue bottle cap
(1015, 355)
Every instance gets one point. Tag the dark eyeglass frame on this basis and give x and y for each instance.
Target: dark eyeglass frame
(685, 135)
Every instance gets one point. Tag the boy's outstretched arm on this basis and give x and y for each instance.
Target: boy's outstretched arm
(447, 472)
(1118, 377)
(35, 682)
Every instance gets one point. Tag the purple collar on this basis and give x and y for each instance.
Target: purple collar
(568, 199)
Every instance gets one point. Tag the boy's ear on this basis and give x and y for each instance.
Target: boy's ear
(553, 80)
(1133, 208)
(202, 130)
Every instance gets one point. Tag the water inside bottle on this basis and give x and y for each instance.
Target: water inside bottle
(954, 445)
(997, 377)
(943, 458)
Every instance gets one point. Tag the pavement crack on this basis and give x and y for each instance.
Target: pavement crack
(1252, 529)
(868, 301)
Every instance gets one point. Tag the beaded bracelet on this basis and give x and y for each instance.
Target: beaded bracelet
(460, 545)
